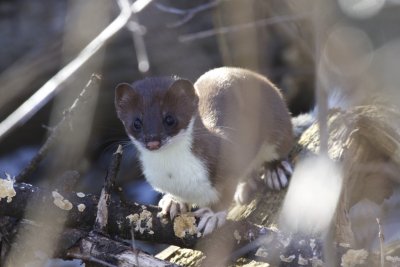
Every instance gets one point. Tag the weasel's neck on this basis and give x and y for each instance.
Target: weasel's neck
(178, 170)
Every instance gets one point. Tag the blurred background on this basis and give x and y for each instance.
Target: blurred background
(307, 48)
(38, 38)
(300, 45)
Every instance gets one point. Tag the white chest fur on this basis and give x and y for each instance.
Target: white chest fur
(174, 169)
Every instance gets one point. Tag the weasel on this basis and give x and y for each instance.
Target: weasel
(198, 143)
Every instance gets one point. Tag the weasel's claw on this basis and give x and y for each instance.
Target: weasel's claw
(209, 221)
(277, 174)
(287, 167)
(169, 205)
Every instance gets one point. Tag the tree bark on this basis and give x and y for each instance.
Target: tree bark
(364, 139)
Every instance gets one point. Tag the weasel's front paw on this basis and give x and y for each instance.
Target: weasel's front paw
(169, 205)
(209, 220)
(277, 174)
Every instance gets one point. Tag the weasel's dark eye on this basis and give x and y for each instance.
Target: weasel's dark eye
(169, 121)
(137, 124)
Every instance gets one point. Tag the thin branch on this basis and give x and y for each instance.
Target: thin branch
(105, 196)
(140, 46)
(381, 242)
(187, 14)
(17, 80)
(133, 244)
(60, 127)
(52, 86)
(241, 27)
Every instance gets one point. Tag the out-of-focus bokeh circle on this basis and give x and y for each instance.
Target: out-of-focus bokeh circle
(347, 50)
(361, 9)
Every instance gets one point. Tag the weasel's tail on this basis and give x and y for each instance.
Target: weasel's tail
(336, 100)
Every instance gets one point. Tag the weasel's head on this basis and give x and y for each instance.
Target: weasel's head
(156, 111)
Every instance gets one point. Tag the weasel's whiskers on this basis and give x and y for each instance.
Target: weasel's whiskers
(112, 144)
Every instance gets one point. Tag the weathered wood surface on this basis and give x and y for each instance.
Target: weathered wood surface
(365, 140)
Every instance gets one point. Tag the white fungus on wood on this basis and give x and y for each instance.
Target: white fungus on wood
(237, 236)
(315, 262)
(7, 188)
(81, 207)
(302, 261)
(262, 252)
(287, 259)
(354, 257)
(393, 259)
(185, 224)
(312, 243)
(60, 202)
(80, 194)
(144, 218)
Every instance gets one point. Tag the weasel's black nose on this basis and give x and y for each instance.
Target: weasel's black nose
(153, 145)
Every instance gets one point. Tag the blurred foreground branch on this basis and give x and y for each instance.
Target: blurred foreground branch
(365, 140)
(234, 28)
(44, 94)
(60, 127)
(187, 14)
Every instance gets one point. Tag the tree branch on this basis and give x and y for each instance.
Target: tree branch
(144, 219)
(235, 28)
(355, 148)
(60, 127)
(105, 196)
(52, 86)
(187, 14)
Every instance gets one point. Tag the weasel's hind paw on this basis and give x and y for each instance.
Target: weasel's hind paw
(209, 220)
(277, 174)
(169, 205)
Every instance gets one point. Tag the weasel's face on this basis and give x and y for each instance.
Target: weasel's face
(156, 111)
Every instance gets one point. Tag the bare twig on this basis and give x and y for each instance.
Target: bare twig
(187, 14)
(105, 196)
(241, 27)
(16, 81)
(52, 86)
(140, 46)
(381, 242)
(112, 251)
(133, 244)
(22, 176)
(321, 94)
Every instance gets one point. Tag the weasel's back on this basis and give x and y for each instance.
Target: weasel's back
(245, 106)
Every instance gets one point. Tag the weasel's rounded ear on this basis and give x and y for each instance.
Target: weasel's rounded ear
(184, 89)
(124, 94)
(121, 91)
